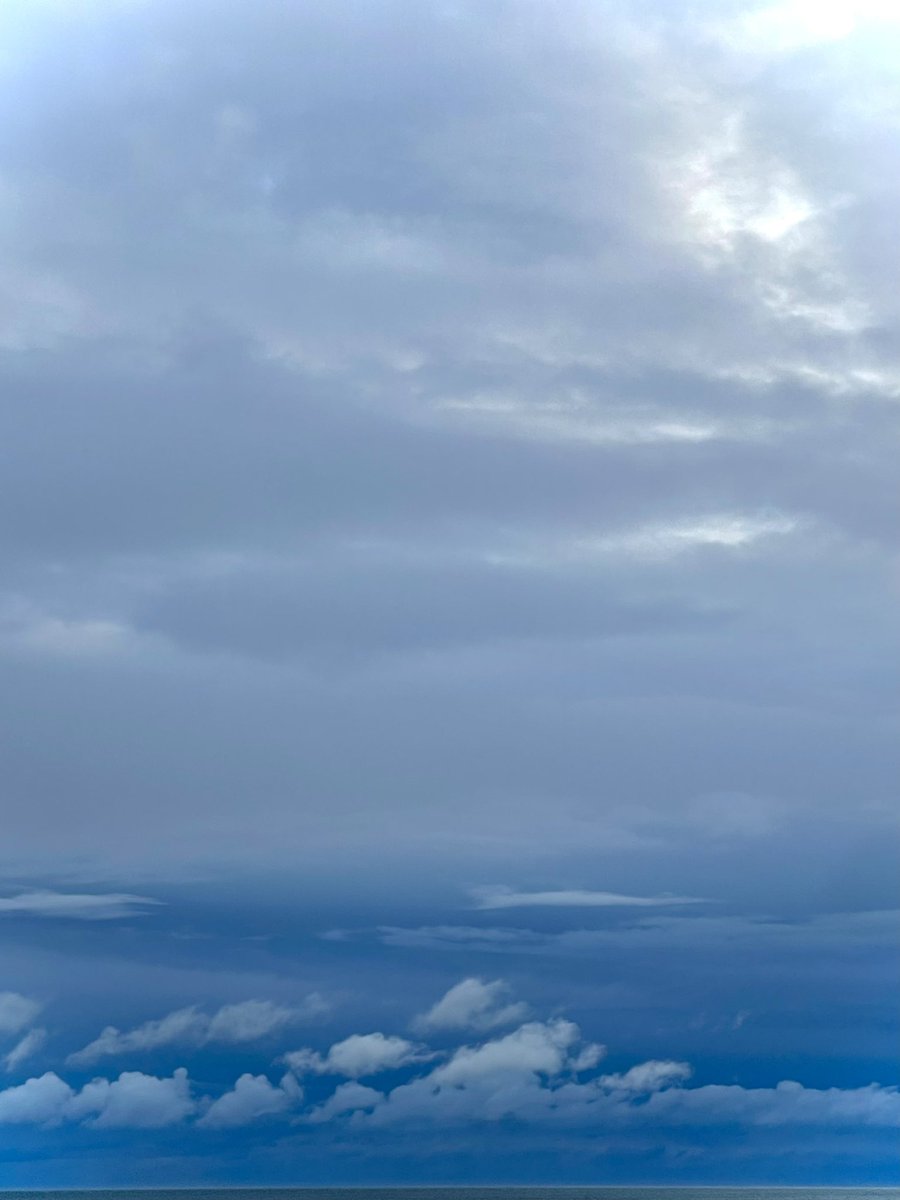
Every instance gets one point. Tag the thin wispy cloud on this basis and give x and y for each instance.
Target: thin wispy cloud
(503, 897)
(17, 1011)
(77, 906)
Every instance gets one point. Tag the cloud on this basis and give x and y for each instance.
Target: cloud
(16, 1011)
(254, 1019)
(472, 1004)
(542, 1073)
(536, 1074)
(52, 636)
(76, 906)
(486, 1082)
(358, 1055)
(491, 425)
(232, 1024)
(787, 1104)
(644, 385)
(25, 1048)
(347, 1098)
(503, 897)
(41, 1100)
(534, 1048)
(647, 1077)
(454, 936)
(185, 1024)
(133, 1101)
(252, 1097)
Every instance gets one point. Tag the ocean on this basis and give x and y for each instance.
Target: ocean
(465, 1193)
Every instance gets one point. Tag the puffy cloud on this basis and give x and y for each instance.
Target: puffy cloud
(252, 1097)
(39, 1101)
(646, 1077)
(16, 1011)
(247, 1021)
(348, 1098)
(358, 1055)
(134, 1101)
(76, 906)
(588, 1057)
(535, 1048)
(472, 1004)
(25, 1048)
(500, 1077)
(533, 1073)
(540, 1073)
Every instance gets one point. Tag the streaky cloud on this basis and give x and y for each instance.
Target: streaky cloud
(503, 897)
(77, 906)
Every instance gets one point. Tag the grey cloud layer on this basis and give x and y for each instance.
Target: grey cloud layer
(448, 436)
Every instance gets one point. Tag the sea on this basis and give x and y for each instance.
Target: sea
(465, 1193)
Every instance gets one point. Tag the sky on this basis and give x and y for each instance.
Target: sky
(448, 587)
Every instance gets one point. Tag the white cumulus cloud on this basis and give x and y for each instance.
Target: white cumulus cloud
(650, 1076)
(134, 1100)
(358, 1055)
(252, 1097)
(473, 1004)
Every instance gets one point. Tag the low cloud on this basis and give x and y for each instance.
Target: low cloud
(532, 1074)
(16, 1012)
(543, 1072)
(254, 1019)
(42, 1100)
(233, 1024)
(186, 1024)
(348, 1098)
(252, 1097)
(472, 1004)
(134, 1101)
(357, 1056)
(647, 1077)
(25, 1048)
(76, 906)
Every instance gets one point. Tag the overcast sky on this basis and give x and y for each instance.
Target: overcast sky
(448, 607)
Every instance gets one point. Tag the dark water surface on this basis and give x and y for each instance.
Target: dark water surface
(466, 1193)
